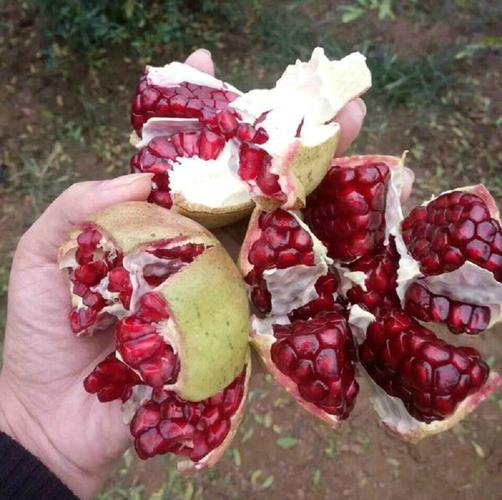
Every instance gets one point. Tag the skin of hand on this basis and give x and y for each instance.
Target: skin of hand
(43, 404)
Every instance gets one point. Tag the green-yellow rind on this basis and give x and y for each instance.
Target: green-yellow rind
(209, 306)
(309, 166)
(212, 217)
(311, 163)
(127, 221)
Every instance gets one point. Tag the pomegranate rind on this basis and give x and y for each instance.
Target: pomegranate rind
(307, 166)
(188, 467)
(208, 303)
(211, 217)
(399, 422)
(262, 344)
(134, 223)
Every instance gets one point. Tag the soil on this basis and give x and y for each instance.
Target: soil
(83, 113)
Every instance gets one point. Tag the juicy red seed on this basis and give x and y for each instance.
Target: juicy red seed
(82, 319)
(185, 100)
(350, 201)
(381, 285)
(409, 362)
(252, 161)
(152, 308)
(319, 355)
(119, 280)
(451, 229)
(326, 287)
(169, 424)
(91, 274)
(210, 145)
(111, 379)
(227, 123)
(459, 317)
(282, 243)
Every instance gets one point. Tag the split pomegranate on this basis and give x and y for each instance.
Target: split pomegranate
(213, 149)
(164, 284)
(355, 242)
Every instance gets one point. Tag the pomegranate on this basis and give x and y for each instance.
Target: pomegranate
(423, 385)
(351, 262)
(163, 283)
(300, 329)
(431, 270)
(213, 149)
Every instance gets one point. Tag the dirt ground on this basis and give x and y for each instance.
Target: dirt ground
(64, 125)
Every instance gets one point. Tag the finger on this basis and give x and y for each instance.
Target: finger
(201, 60)
(74, 205)
(351, 119)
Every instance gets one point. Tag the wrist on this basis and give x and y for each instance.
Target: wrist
(17, 422)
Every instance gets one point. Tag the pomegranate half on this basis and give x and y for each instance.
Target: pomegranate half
(181, 364)
(214, 150)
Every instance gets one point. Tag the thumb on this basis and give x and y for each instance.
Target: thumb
(74, 205)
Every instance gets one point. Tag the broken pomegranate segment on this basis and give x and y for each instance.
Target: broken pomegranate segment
(458, 316)
(111, 380)
(273, 146)
(350, 201)
(167, 423)
(165, 284)
(300, 329)
(443, 275)
(454, 228)
(426, 385)
(318, 355)
(409, 362)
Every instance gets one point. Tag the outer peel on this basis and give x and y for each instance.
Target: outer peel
(210, 336)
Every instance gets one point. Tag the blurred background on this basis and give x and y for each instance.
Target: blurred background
(68, 70)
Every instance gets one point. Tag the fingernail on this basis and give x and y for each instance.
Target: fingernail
(362, 106)
(207, 52)
(123, 181)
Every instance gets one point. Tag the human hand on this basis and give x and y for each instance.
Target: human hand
(43, 402)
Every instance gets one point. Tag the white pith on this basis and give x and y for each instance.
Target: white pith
(201, 181)
(174, 73)
(313, 91)
(157, 126)
(359, 320)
